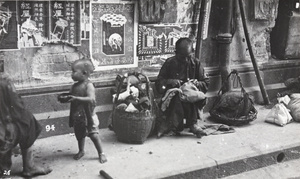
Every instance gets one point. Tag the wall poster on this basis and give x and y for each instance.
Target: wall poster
(65, 22)
(179, 18)
(160, 39)
(113, 31)
(181, 11)
(33, 21)
(8, 25)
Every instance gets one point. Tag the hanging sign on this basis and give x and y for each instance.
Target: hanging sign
(206, 19)
(85, 19)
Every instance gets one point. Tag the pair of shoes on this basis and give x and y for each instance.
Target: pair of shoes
(197, 130)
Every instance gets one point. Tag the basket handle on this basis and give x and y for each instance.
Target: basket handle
(235, 72)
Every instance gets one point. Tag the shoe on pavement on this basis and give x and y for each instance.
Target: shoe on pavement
(197, 130)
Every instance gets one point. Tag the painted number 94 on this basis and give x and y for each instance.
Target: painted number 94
(50, 128)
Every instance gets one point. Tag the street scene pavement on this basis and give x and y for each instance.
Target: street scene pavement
(258, 147)
(285, 170)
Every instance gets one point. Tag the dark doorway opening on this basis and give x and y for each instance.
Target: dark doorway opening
(285, 36)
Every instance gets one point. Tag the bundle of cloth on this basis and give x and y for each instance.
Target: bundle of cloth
(188, 92)
(132, 96)
(292, 86)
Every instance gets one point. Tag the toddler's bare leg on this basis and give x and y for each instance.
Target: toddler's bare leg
(81, 144)
(97, 142)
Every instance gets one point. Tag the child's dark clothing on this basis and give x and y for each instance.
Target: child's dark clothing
(80, 112)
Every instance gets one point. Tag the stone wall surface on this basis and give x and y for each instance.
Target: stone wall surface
(53, 62)
(259, 31)
(50, 64)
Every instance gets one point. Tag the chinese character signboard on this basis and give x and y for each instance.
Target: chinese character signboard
(8, 25)
(33, 23)
(85, 19)
(113, 29)
(65, 21)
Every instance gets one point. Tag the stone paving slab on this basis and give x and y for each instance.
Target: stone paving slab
(182, 156)
(286, 170)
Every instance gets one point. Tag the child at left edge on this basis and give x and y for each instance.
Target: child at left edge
(83, 101)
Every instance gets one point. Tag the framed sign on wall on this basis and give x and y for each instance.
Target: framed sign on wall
(113, 32)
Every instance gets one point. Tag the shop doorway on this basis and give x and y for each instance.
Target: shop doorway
(285, 36)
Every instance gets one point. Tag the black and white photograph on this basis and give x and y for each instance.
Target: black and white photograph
(150, 89)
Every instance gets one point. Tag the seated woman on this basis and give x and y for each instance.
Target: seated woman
(17, 126)
(176, 71)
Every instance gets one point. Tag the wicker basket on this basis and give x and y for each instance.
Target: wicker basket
(242, 113)
(133, 127)
(234, 121)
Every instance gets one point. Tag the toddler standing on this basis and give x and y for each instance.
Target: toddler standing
(82, 115)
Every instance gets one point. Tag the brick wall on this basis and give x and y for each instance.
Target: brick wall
(53, 62)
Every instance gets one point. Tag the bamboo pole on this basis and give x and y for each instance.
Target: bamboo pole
(253, 60)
